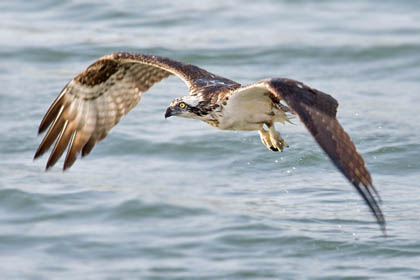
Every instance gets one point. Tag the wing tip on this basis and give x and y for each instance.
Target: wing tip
(69, 161)
(42, 149)
(66, 167)
(36, 155)
(51, 163)
(41, 129)
(48, 166)
(372, 203)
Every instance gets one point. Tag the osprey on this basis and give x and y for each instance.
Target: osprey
(95, 100)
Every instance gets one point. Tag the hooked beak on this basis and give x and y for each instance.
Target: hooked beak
(169, 112)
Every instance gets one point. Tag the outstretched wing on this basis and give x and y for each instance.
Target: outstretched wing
(317, 110)
(95, 100)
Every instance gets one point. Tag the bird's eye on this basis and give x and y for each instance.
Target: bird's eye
(182, 105)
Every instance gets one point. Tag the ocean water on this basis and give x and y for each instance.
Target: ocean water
(178, 199)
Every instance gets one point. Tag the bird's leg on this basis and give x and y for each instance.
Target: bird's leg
(266, 139)
(277, 142)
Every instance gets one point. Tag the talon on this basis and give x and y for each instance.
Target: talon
(265, 139)
(272, 139)
(283, 143)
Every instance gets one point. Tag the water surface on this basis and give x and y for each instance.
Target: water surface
(177, 199)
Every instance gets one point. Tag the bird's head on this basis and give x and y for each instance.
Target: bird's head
(185, 107)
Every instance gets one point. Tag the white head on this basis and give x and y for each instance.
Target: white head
(185, 107)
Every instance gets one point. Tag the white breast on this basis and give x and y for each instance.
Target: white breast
(248, 109)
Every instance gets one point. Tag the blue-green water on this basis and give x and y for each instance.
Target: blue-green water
(177, 199)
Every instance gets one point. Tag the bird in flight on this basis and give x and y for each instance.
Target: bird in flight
(94, 101)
